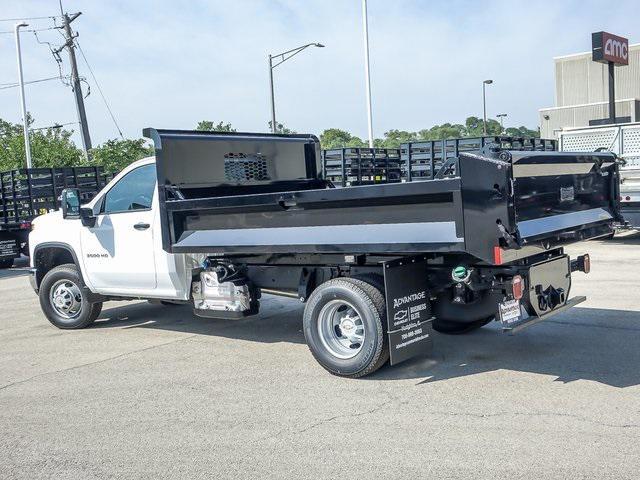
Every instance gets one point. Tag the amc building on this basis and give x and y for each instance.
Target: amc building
(582, 92)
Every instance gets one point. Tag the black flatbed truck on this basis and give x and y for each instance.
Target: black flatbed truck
(26, 193)
(379, 265)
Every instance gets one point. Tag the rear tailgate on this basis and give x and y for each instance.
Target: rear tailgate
(563, 194)
(536, 201)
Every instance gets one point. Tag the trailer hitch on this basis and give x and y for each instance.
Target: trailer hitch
(550, 298)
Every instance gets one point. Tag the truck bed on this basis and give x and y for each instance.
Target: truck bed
(246, 194)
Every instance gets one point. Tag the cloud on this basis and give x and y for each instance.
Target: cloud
(169, 64)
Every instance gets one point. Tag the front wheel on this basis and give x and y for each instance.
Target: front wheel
(64, 301)
(344, 326)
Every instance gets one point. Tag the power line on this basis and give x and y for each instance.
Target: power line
(56, 57)
(57, 125)
(104, 99)
(33, 30)
(28, 18)
(4, 86)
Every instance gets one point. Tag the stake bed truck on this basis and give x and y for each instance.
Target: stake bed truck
(218, 219)
(28, 192)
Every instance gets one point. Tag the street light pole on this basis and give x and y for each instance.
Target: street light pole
(484, 105)
(283, 57)
(273, 96)
(25, 126)
(501, 116)
(367, 71)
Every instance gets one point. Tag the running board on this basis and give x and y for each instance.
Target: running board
(534, 320)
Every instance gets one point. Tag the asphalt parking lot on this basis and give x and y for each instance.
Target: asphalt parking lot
(151, 391)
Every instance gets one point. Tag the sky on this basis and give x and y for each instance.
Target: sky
(171, 63)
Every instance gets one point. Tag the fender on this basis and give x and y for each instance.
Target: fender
(37, 274)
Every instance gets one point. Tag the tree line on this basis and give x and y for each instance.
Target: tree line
(53, 147)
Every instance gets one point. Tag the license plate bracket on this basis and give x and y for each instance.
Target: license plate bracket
(510, 312)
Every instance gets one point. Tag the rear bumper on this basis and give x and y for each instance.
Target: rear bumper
(533, 320)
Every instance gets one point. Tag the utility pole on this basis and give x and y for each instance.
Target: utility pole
(25, 124)
(367, 71)
(75, 80)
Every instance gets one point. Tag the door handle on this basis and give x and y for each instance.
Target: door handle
(141, 226)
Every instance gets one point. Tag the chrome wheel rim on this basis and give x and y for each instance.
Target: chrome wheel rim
(341, 329)
(66, 299)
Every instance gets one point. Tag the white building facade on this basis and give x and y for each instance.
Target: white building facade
(582, 90)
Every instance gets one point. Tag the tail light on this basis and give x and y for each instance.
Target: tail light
(497, 255)
(517, 287)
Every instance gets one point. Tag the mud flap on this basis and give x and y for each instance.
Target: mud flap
(409, 320)
(9, 248)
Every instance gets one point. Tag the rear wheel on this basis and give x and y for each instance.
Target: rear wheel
(64, 301)
(344, 325)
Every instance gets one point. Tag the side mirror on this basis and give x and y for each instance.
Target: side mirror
(87, 218)
(70, 200)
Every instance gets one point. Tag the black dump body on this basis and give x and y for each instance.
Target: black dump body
(247, 194)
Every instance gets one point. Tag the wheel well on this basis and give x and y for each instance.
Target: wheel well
(47, 258)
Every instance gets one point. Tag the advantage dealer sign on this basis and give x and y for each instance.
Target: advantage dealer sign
(408, 308)
(606, 47)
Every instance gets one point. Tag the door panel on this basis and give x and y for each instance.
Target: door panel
(118, 251)
(118, 257)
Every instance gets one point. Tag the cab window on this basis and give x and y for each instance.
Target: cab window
(134, 191)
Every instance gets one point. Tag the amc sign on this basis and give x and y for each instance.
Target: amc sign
(609, 48)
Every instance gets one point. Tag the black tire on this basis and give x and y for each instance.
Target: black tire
(96, 310)
(369, 305)
(456, 328)
(374, 279)
(68, 279)
(6, 263)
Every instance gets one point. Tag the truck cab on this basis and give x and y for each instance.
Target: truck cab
(118, 251)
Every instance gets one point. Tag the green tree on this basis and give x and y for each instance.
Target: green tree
(522, 132)
(280, 128)
(474, 127)
(394, 138)
(440, 132)
(115, 154)
(209, 126)
(336, 138)
(51, 147)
